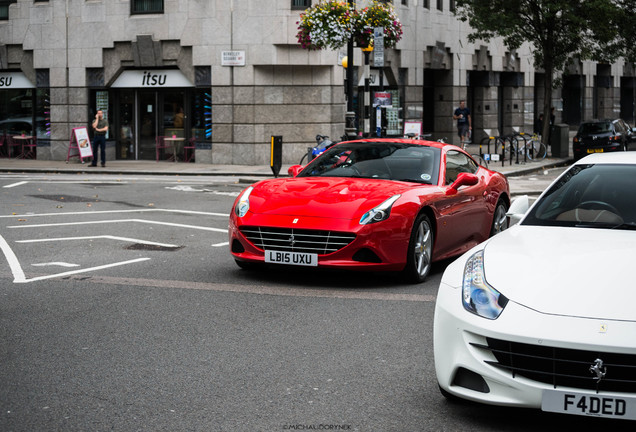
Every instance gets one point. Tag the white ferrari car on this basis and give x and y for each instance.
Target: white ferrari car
(543, 315)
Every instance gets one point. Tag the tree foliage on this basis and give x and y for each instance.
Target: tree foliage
(557, 30)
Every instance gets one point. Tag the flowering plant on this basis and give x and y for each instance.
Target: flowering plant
(325, 25)
(377, 15)
(331, 23)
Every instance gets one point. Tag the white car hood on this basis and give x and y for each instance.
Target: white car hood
(583, 272)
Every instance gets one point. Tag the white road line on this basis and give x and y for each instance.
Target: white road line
(19, 276)
(117, 211)
(14, 264)
(120, 221)
(125, 239)
(86, 270)
(15, 184)
(221, 244)
(61, 264)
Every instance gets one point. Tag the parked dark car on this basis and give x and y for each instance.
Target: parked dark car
(602, 136)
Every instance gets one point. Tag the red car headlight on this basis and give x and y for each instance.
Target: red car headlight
(379, 213)
(243, 204)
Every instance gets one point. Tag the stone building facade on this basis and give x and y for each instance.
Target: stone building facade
(229, 74)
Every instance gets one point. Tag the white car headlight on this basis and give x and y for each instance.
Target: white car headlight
(477, 296)
(379, 213)
(243, 204)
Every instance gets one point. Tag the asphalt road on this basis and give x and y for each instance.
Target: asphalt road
(121, 309)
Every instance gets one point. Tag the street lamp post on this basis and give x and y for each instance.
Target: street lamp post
(350, 116)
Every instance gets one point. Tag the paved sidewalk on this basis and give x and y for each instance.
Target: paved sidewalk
(197, 169)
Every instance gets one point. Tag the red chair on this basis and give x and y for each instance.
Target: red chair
(188, 150)
(11, 145)
(160, 146)
(29, 149)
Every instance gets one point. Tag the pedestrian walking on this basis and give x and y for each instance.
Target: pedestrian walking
(100, 127)
(464, 121)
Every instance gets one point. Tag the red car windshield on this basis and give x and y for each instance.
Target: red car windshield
(378, 160)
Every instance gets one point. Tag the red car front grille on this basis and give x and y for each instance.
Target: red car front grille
(297, 240)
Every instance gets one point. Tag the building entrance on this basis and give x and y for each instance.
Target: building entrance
(142, 115)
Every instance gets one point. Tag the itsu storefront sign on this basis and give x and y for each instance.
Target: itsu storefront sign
(14, 80)
(151, 79)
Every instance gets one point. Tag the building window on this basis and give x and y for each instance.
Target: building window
(300, 4)
(452, 6)
(146, 6)
(426, 4)
(4, 9)
(405, 2)
(440, 5)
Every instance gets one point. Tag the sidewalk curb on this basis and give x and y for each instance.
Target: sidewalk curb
(247, 173)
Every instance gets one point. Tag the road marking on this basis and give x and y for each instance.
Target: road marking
(126, 239)
(14, 264)
(61, 264)
(119, 221)
(15, 184)
(221, 244)
(117, 211)
(86, 270)
(187, 188)
(265, 290)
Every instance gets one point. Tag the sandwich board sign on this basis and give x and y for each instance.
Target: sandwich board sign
(81, 142)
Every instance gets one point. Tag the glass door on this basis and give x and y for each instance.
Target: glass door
(147, 120)
(125, 116)
(173, 114)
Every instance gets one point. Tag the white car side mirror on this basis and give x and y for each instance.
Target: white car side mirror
(518, 209)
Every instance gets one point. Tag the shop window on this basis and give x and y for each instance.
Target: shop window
(43, 114)
(146, 6)
(202, 115)
(16, 111)
(300, 4)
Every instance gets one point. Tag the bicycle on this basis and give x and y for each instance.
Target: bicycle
(535, 149)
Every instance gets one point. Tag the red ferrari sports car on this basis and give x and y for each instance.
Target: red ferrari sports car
(374, 205)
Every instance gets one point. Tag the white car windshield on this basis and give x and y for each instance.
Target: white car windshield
(378, 160)
(589, 196)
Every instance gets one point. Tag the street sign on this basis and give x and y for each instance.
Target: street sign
(378, 47)
(232, 58)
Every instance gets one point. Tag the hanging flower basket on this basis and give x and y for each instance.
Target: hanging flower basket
(377, 15)
(326, 25)
(330, 24)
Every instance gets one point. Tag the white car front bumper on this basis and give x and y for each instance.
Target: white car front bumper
(461, 361)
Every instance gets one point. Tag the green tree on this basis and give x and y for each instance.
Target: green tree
(625, 21)
(558, 31)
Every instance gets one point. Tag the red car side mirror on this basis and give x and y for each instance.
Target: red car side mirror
(463, 179)
(294, 170)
